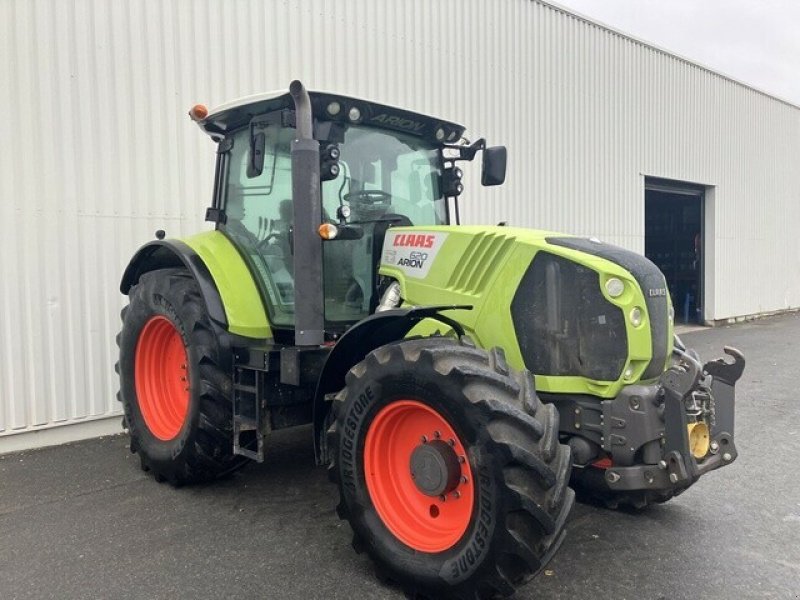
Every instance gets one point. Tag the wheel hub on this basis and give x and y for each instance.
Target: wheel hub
(161, 378)
(418, 476)
(435, 468)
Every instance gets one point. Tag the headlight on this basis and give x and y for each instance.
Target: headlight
(615, 287)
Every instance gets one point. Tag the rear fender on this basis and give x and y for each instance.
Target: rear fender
(164, 254)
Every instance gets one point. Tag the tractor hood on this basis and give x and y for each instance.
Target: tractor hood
(584, 316)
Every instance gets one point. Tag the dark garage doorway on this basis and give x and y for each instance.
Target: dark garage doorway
(674, 240)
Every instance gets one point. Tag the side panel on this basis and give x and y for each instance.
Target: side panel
(243, 305)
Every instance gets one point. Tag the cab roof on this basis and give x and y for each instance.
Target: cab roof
(234, 115)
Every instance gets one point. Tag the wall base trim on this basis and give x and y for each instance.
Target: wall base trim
(750, 317)
(61, 434)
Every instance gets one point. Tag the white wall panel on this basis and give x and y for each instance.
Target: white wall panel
(98, 152)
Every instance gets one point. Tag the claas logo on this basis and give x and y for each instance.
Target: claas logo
(414, 240)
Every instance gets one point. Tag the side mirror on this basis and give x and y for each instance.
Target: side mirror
(255, 166)
(493, 170)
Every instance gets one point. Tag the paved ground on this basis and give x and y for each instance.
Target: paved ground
(82, 521)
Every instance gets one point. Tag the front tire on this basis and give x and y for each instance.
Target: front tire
(485, 508)
(175, 385)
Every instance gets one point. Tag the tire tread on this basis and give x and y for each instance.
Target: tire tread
(534, 467)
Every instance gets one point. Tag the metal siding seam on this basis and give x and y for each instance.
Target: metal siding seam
(7, 73)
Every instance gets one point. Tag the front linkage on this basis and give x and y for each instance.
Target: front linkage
(653, 441)
(688, 387)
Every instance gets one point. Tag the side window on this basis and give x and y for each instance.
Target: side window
(260, 205)
(347, 264)
(259, 216)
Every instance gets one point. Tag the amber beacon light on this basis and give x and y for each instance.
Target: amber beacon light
(198, 112)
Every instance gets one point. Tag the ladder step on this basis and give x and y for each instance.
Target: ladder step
(239, 387)
(256, 454)
(245, 423)
(247, 415)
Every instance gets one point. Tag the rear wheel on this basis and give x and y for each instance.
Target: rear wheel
(174, 381)
(449, 469)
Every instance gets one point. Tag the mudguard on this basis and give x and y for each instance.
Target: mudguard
(162, 254)
(361, 339)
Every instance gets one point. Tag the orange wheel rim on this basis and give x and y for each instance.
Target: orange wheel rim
(410, 452)
(162, 378)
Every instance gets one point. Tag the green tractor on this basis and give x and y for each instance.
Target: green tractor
(462, 383)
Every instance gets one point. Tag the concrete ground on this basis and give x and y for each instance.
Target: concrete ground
(82, 521)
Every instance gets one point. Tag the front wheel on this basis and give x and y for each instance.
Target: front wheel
(449, 468)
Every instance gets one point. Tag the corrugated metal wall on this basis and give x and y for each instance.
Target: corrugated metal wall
(98, 152)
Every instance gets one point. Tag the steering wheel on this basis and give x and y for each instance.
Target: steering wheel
(263, 243)
(279, 235)
(369, 197)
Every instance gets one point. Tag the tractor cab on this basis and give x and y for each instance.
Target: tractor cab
(379, 166)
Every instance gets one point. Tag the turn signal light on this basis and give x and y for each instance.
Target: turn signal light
(328, 231)
(198, 112)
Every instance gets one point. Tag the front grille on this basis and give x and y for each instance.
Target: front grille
(653, 285)
(564, 325)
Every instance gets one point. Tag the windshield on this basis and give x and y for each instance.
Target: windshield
(384, 172)
(385, 178)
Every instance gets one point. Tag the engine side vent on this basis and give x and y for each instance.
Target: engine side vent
(484, 253)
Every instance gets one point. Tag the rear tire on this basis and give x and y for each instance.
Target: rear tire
(175, 385)
(509, 440)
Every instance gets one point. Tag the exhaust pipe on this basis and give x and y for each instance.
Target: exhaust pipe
(304, 122)
(309, 310)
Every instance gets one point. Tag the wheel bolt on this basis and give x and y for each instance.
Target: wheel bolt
(437, 434)
(464, 480)
(424, 439)
(462, 460)
(456, 494)
(443, 498)
(452, 442)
